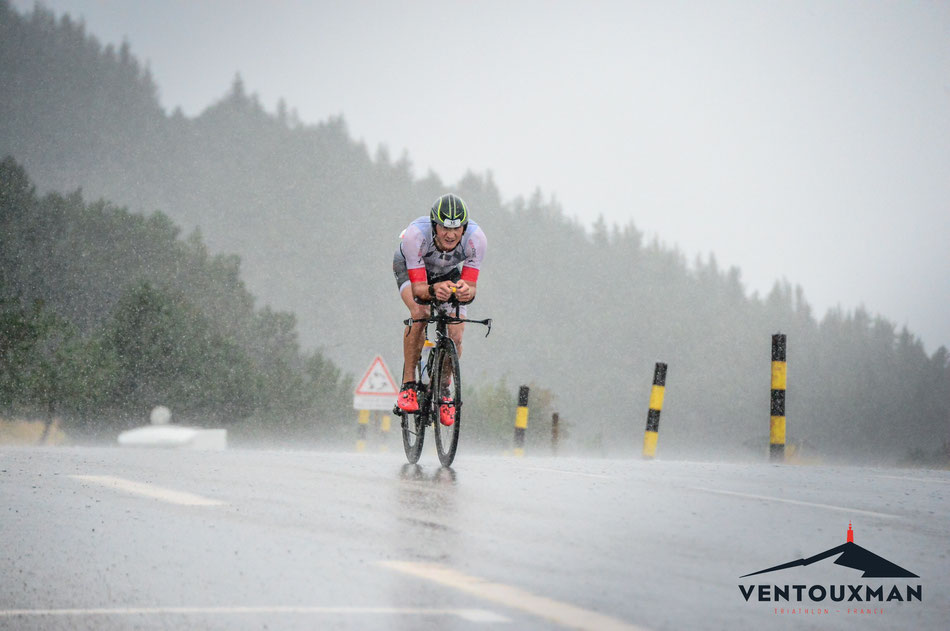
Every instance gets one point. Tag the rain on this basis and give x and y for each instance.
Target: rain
(201, 342)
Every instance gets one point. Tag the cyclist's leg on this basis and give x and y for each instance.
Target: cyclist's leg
(412, 343)
(455, 332)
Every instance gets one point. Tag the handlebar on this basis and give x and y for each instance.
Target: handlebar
(452, 299)
(435, 315)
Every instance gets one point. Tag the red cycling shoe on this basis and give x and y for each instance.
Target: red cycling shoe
(408, 401)
(447, 412)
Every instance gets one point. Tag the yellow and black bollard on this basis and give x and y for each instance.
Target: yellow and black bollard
(385, 425)
(652, 433)
(521, 420)
(361, 437)
(777, 420)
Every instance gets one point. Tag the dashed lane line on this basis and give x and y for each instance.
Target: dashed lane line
(909, 479)
(581, 473)
(843, 509)
(560, 613)
(148, 490)
(472, 615)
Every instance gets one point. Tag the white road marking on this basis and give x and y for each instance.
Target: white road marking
(472, 615)
(843, 509)
(560, 613)
(900, 477)
(148, 490)
(589, 475)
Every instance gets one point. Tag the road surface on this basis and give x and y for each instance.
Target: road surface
(120, 538)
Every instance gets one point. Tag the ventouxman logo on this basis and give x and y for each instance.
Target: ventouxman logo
(850, 555)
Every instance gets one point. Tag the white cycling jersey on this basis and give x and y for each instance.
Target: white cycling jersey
(424, 260)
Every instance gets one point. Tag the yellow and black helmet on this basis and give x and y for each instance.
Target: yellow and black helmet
(449, 211)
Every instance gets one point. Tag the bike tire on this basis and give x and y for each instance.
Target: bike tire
(446, 387)
(414, 428)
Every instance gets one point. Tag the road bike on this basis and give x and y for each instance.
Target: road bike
(439, 383)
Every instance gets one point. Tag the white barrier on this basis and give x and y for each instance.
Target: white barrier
(162, 434)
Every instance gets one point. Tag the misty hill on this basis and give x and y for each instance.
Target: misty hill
(105, 314)
(315, 218)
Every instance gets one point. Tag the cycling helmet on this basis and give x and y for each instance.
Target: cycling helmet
(449, 211)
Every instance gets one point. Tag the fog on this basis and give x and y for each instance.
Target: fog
(236, 268)
(211, 229)
(806, 141)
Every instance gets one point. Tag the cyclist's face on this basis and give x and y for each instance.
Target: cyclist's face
(448, 237)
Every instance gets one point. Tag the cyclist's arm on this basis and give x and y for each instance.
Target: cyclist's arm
(474, 254)
(413, 247)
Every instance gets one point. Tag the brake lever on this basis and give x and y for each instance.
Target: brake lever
(408, 322)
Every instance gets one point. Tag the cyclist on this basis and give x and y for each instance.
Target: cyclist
(426, 266)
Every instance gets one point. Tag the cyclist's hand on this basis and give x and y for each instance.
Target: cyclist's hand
(464, 292)
(443, 290)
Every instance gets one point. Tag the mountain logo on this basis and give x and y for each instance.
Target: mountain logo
(850, 555)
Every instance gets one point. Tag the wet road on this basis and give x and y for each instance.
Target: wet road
(113, 538)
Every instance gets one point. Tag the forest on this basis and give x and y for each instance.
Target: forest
(105, 314)
(282, 290)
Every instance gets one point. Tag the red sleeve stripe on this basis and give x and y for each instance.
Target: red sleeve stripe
(470, 274)
(417, 275)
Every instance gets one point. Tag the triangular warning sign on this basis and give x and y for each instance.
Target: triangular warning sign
(377, 380)
(376, 390)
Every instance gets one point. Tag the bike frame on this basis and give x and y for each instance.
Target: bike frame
(428, 408)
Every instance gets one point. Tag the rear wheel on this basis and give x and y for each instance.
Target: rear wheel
(447, 391)
(414, 427)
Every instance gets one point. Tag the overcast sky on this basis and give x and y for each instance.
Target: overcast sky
(801, 140)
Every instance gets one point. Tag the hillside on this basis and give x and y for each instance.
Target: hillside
(315, 217)
(105, 314)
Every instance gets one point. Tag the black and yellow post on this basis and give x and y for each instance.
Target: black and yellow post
(555, 420)
(652, 433)
(361, 437)
(777, 420)
(385, 425)
(521, 420)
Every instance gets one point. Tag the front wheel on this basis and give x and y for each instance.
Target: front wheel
(414, 428)
(413, 435)
(447, 390)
